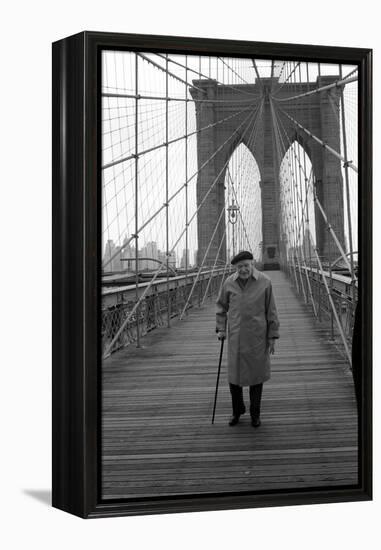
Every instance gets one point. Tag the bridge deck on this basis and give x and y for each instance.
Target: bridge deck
(158, 400)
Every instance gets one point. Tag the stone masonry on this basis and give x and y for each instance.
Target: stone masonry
(254, 128)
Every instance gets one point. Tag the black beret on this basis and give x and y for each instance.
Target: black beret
(244, 255)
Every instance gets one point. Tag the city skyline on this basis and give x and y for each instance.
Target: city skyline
(149, 253)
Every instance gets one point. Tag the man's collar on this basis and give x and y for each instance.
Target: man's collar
(254, 275)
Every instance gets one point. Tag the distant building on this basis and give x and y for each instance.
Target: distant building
(143, 264)
(151, 251)
(118, 256)
(112, 257)
(185, 258)
(307, 246)
(161, 257)
(172, 260)
(109, 252)
(117, 264)
(128, 252)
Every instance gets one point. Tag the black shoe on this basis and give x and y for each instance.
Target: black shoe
(255, 421)
(234, 420)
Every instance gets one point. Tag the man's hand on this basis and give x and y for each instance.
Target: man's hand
(271, 345)
(221, 335)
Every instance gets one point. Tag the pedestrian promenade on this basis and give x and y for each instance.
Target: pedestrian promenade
(157, 403)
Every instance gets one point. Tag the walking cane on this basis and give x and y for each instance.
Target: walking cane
(218, 378)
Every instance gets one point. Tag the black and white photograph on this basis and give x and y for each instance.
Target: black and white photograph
(189, 320)
(229, 275)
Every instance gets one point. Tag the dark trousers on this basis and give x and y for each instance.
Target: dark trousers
(255, 399)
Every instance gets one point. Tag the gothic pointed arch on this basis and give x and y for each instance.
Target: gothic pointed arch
(297, 208)
(251, 122)
(243, 219)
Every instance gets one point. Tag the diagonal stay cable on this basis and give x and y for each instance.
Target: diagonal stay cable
(338, 322)
(108, 350)
(303, 208)
(333, 308)
(202, 263)
(289, 76)
(251, 142)
(292, 231)
(215, 180)
(253, 118)
(163, 69)
(277, 84)
(248, 120)
(260, 83)
(337, 84)
(232, 70)
(174, 140)
(329, 227)
(239, 211)
(214, 266)
(348, 163)
(199, 74)
(182, 99)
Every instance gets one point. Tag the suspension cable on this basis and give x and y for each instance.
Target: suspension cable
(127, 242)
(202, 263)
(174, 140)
(199, 74)
(322, 143)
(329, 226)
(289, 76)
(338, 84)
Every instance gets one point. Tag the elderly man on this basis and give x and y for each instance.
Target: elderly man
(246, 305)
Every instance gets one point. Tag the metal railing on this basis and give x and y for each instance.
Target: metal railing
(342, 296)
(155, 307)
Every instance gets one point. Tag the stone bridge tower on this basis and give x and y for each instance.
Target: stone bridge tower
(319, 114)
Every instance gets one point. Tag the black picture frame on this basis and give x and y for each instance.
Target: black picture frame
(76, 260)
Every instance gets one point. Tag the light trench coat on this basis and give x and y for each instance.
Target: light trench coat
(251, 318)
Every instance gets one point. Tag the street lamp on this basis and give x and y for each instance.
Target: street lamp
(233, 218)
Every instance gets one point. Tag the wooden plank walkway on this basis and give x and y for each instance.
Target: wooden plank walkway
(158, 400)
